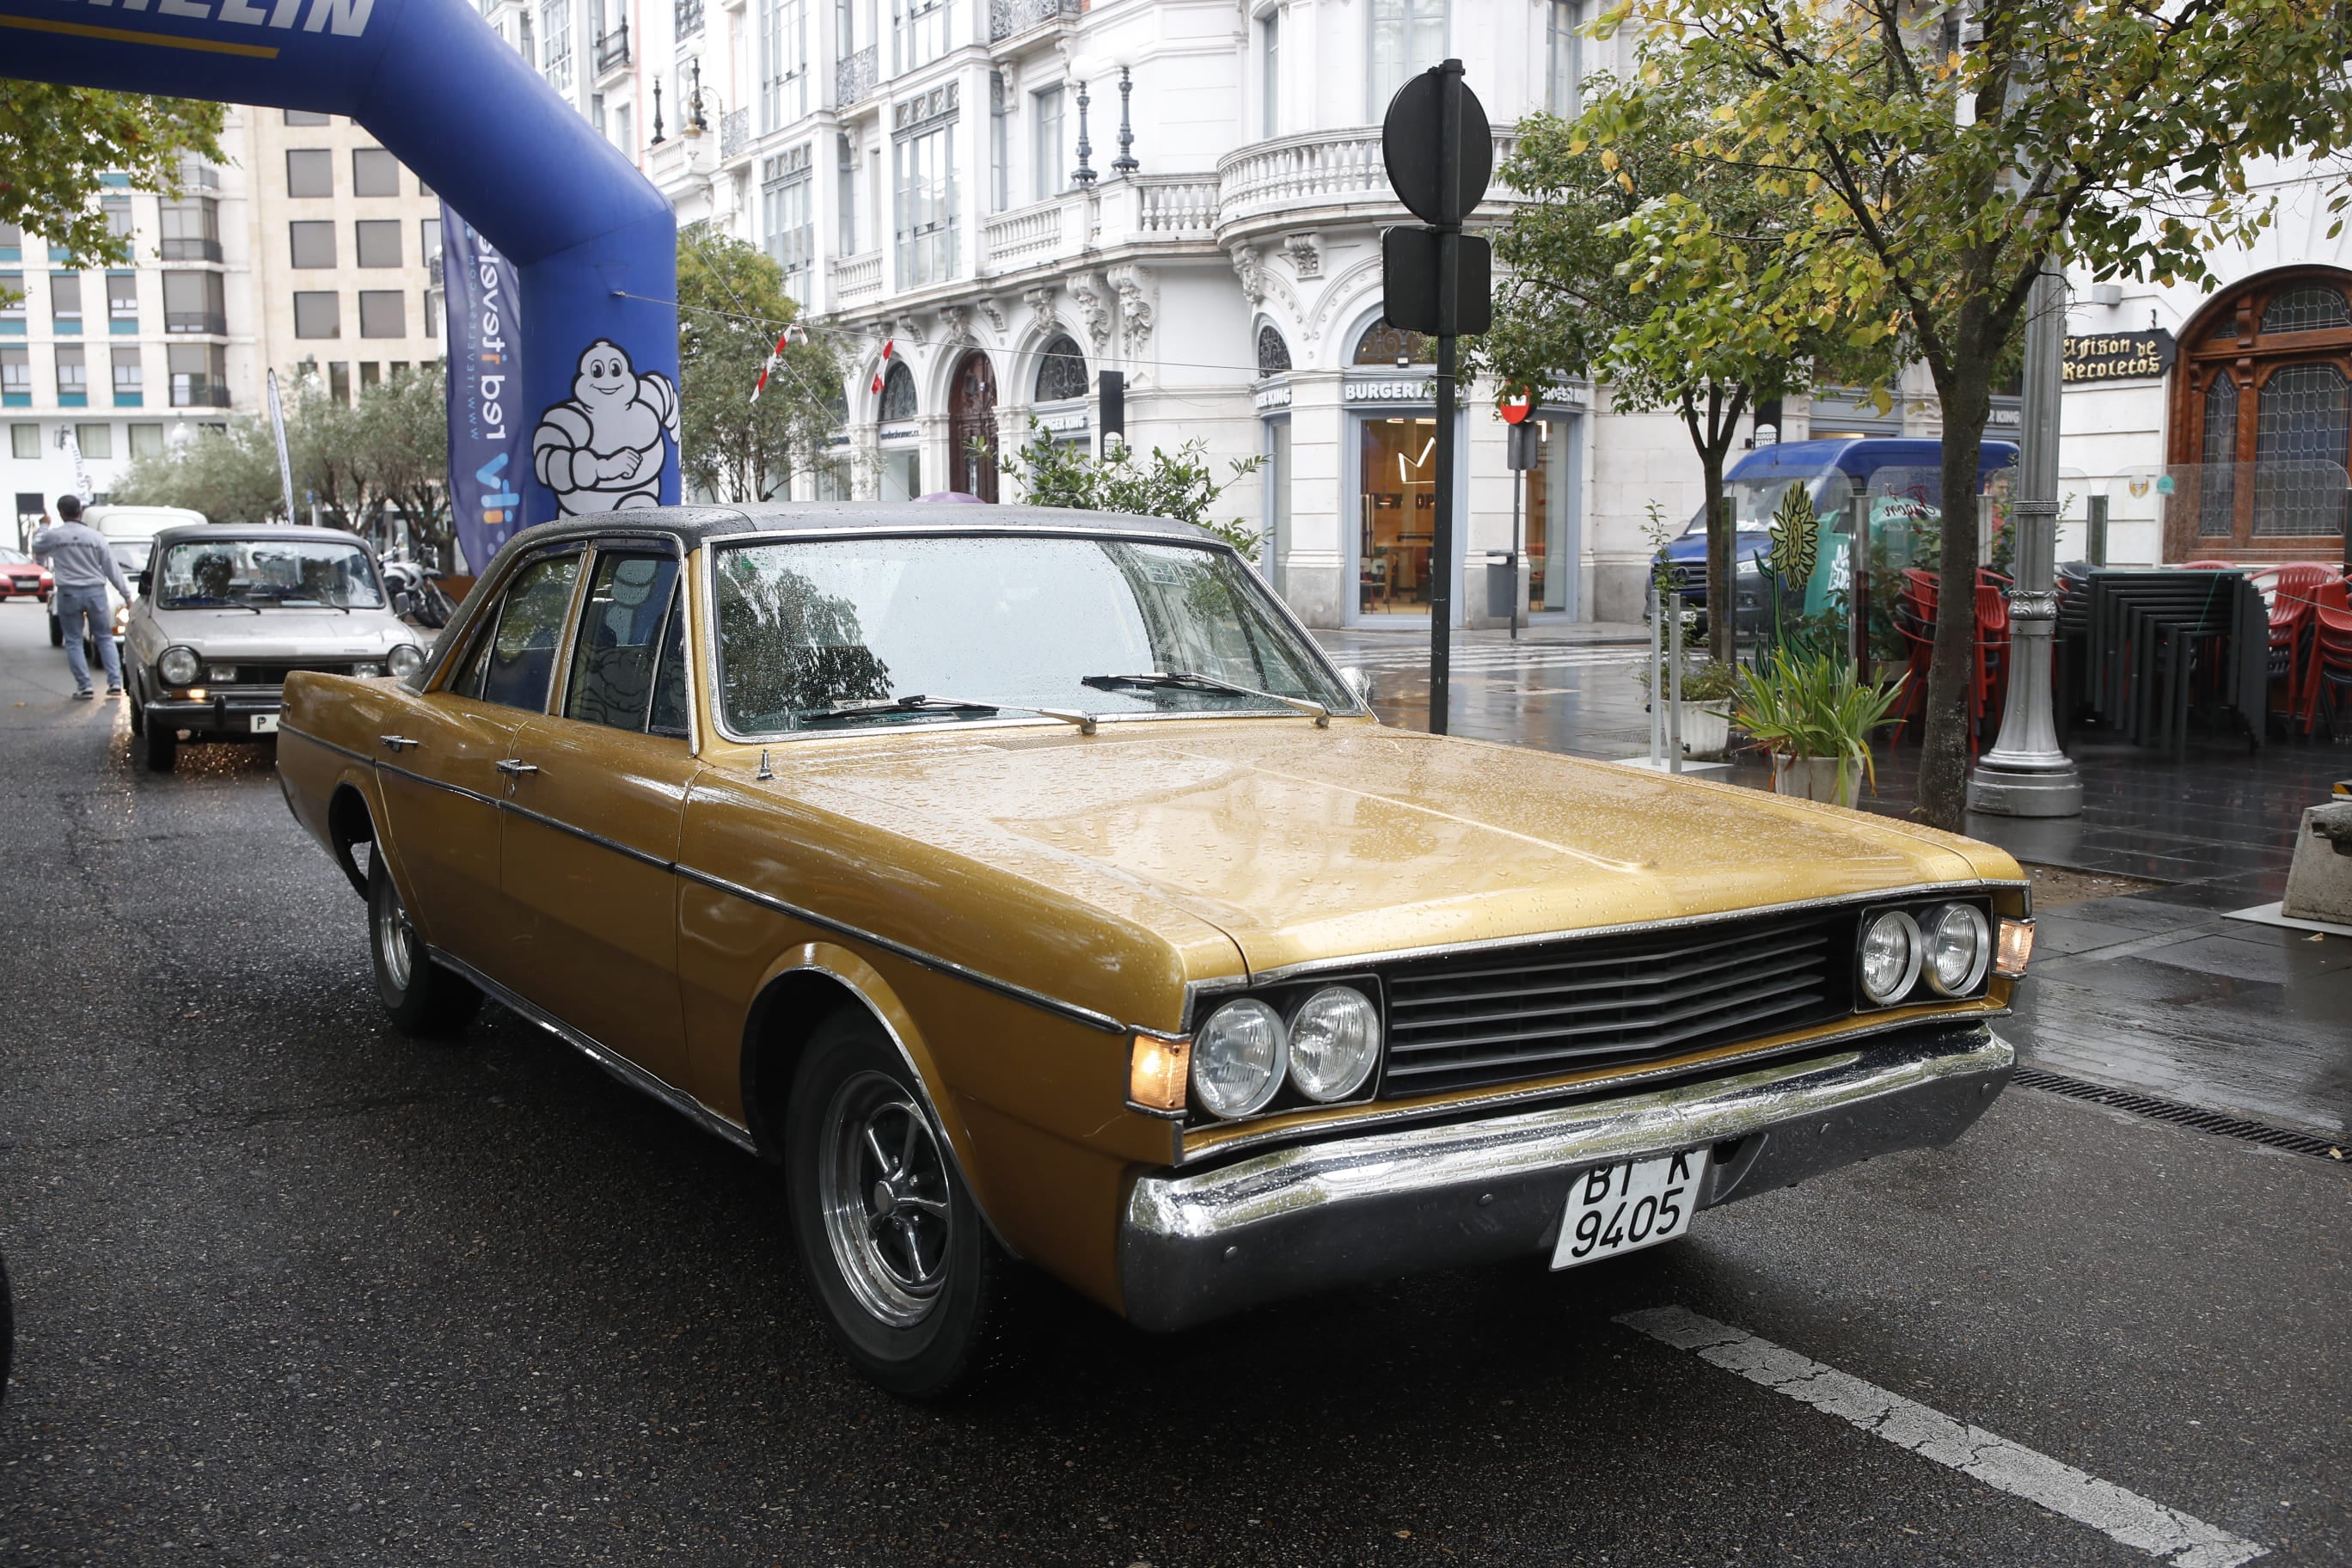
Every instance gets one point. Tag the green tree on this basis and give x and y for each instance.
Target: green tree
(1946, 153)
(1182, 487)
(57, 142)
(1572, 301)
(401, 456)
(230, 475)
(731, 308)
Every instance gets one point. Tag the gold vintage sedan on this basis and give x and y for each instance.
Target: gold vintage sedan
(1029, 885)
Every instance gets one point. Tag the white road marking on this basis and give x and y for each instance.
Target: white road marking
(2126, 1516)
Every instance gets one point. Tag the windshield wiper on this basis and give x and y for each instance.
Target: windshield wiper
(1192, 681)
(916, 702)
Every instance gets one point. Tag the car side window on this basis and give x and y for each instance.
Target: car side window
(668, 716)
(620, 632)
(521, 653)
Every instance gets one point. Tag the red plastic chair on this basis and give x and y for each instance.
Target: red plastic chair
(2292, 590)
(2328, 600)
(2331, 661)
(1992, 659)
(2209, 567)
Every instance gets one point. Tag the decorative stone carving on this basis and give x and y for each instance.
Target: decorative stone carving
(1138, 293)
(1094, 307)
(910, 328)
(957, 321)
(1306, 254)
(1040, 302)
(992, 313)
(1253, 277)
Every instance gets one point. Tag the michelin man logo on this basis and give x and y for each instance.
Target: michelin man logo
(603, 448)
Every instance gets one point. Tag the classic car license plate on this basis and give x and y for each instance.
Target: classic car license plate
(1619, 1208)
(265, 724)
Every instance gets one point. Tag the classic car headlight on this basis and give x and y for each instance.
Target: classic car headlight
(178, 666)
(403, 661)
(1890, 957)
(1960, 947)
(1335, 1042)
(121, 618)
(1238, 1059)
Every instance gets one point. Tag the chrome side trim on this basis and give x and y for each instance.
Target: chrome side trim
(284, 730)
(620, 1067)
(1506, 1095)
(642, 857)
(1038, 999)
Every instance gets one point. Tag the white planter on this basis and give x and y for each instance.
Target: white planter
(1706, 730)
(1816, 778)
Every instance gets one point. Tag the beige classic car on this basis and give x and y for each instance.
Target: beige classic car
(1030, 886)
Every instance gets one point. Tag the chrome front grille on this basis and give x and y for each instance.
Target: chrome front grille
(1463, 1019)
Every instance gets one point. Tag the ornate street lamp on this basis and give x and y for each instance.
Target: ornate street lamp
(1125, 163)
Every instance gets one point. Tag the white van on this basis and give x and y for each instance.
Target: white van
(131, 530)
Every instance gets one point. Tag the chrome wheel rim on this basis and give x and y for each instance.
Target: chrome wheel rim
(884, 1188)
(393, 940)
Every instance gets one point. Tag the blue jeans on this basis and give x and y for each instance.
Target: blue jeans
(73, 605)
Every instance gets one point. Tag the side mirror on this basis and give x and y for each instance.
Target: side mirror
(404, 603)
(1358, 681)
(140, 580)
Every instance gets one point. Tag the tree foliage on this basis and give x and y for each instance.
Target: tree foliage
(1182, 487)
(55, 142)
(731, 308)
(1940, 154)
(1709, 341)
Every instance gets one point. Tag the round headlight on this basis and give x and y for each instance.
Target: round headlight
(1238, 1059)
(1959, 946)
(1335, 1041)
(1890, 957)
(178, 667)
(405, 660)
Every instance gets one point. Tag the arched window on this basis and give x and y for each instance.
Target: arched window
(1272, 354)
(899, 392)
(2263, 405)
(1383, 344)
(1061, 370)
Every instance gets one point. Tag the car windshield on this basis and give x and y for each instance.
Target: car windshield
(14, 557)
(837, 634)
(1754, 500)
(263, 573)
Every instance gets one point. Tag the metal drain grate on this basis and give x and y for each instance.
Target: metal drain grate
(2180, 1115)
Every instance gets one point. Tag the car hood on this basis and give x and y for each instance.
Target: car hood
(285, 634)
(1303, 843)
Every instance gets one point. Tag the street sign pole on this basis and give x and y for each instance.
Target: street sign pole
(1449, 283)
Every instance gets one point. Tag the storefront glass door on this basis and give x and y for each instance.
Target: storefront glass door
(1397, 497)
(1549, 518)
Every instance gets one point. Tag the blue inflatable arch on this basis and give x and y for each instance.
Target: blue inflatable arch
(593, 246)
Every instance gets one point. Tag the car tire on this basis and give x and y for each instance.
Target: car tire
(158, 748)
(57, 631)
(424, 1000)
(138, 706)
(916, 1293)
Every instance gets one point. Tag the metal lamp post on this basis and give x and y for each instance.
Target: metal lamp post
(2026, 773)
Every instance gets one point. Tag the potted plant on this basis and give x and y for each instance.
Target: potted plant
(1815, 717)
(1703, 720)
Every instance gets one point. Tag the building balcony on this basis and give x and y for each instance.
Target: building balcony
(190, 249)
(734, 134)
(855, 276)
(1317, 174)
(197, 322)
(1008, 18)
(612, 49)
(853, 77)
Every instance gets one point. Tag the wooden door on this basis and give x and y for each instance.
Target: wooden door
(972, 427)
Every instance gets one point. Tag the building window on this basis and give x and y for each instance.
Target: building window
(378, 241)
(555, 58)
(73, 376)
(12, 303)
(428, 240)
(1563, 55)
(926, 206)
(787, 220)
(307, 117)
(1272, 354)
(383, 313)
(2306, 309)
(920, 31)
(1269, 65)
(96, 441)
(319, 315)
(1383, 344)
(191, 230)
(16, 376)
(1053, 170)
(312, 243)
(371, 375)
(309, 172)
(198, 374)
(146, 440)
(339, 382)
(122, 300)
(25, 442)
(1408, 38)
(432, 314)
(898, 391)
(1061, 370)
(116, 212)
(195, 302)
(783, 62)
(1000, 154)
(375, 173)
(845, 155)
(129, 379)
(65, 301)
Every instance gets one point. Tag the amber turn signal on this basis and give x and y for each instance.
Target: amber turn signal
(2016, 947)
(1156, 1074)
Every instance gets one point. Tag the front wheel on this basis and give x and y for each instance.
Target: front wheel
(159, 747)
(422, 998)
(57, 631)
(914, 1288)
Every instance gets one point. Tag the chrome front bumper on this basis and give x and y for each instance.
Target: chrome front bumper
(1195, 1248)
(229, 712)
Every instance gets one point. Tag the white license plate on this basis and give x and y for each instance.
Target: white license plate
(265, 724)
(1619, 1208)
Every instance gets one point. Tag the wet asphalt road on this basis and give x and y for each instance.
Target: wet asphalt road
(292, 1288)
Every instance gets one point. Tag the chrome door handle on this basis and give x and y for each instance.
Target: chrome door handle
(515, 767)
(396, 742)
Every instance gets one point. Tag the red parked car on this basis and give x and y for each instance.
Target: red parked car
(21, 575)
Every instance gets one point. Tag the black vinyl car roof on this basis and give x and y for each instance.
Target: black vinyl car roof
(693, 525)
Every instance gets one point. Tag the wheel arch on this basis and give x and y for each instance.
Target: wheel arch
(351, 821)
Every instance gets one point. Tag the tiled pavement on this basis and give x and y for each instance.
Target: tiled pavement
(2155, 991)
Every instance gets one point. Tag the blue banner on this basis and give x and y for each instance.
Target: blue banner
(488, 451)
